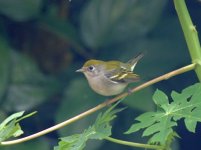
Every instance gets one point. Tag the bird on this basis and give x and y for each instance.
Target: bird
(110, 78)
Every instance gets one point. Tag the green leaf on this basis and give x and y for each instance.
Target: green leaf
(99, 130)
(10, 130)
(10, 126)
(102, 125)
(159, 125)
(20, 10)
(190, 124)
(10, 118)
(160, 99)
(76, 141)
(147, 121)
(71, 143)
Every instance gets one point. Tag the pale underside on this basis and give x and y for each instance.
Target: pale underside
(106, 87)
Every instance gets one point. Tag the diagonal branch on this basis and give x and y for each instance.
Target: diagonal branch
(102, 105)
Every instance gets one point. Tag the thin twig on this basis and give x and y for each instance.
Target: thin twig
(132, 144)
(102, 105)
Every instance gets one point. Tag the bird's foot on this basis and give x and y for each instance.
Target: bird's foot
(129, 91)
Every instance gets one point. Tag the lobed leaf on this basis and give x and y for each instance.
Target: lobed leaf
(159, 125)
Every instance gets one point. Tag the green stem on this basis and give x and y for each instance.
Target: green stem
(132, 144)
(192, 40)
(190, 34)
(102, 105)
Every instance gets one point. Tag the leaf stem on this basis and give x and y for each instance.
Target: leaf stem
(26, 116)
(190, 34)
(102, 105)
(132, 144)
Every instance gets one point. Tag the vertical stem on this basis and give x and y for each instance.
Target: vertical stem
(190, 34)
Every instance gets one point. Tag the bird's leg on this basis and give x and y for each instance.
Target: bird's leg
(129, 91)
(107, 102)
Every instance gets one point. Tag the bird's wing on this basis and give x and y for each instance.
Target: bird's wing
(122, 75)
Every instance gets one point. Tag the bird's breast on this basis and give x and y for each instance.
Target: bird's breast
(106, 87)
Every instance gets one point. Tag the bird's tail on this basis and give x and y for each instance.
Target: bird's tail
(134, 61)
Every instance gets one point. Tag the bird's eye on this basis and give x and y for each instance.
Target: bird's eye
(91, 68)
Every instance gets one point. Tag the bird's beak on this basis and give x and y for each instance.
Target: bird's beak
(80, 70)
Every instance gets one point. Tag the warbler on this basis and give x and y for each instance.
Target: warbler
(109, 78)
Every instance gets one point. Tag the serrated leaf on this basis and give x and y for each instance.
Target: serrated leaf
(159, 125)
(146, 122)
(74, 142)
(99, 130)
(102, 124)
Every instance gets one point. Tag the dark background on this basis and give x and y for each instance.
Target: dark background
(43, 42)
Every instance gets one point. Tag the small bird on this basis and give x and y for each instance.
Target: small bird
(109, 78)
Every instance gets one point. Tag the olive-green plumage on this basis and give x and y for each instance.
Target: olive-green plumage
(110, 77)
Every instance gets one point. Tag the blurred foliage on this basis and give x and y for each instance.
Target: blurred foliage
(21, 10)
(110, 22)
(39, 144)
(4, 66)
(43, 42)
(28, 87)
